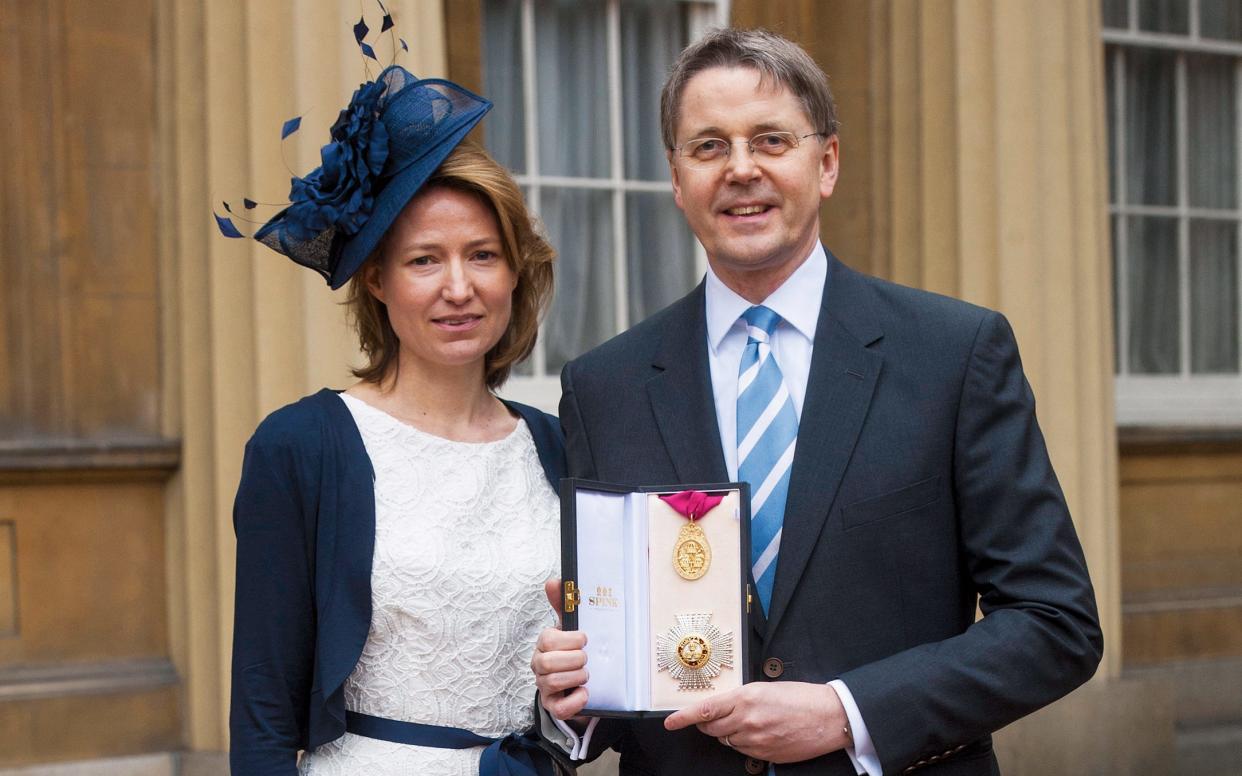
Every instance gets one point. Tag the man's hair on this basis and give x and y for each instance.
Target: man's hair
(778, 60)
(471, 170)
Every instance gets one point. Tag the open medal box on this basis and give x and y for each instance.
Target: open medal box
(657, 577)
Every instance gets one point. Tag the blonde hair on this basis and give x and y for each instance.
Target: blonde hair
(472, 170)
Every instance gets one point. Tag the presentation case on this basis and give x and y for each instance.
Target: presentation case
(658, 579)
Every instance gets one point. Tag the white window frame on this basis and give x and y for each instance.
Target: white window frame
(543, 390)
(1182, 399)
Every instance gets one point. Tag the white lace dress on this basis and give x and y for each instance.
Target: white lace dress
(465, 535)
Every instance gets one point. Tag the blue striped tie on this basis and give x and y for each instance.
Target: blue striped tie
(767, 428)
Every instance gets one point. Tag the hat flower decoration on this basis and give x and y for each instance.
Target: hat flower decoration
(385, 144)
(340, 191)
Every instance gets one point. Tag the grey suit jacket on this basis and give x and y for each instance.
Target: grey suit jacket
(921, 486)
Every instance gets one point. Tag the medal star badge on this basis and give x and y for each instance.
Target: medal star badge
(692, 555)
(694, 651)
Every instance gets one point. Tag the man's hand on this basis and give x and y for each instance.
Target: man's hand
(782, 722)
(559, 663)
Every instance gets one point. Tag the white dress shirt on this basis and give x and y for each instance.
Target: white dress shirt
(797, 302)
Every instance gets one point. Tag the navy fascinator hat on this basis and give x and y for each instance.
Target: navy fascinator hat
(385, 144)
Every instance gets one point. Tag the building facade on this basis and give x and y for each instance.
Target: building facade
(1073, 164)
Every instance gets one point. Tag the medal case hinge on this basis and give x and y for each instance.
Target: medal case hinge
(749, 598)
(573, 596)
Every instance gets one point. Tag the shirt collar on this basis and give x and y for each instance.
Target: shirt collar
(796, 301)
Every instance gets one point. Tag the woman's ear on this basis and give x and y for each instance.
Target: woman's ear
(371, 276)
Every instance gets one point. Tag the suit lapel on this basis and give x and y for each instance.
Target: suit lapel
(839, 388)
(681, 395)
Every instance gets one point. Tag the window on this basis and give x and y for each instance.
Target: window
(576, 90)
(1173, 70)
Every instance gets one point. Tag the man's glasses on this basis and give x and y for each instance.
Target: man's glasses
(713, 151)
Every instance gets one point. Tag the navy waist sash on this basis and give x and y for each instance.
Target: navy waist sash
(512, 755)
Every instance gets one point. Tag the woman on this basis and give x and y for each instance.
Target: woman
(393, 539)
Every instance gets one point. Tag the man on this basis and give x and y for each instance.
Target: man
(898, 474)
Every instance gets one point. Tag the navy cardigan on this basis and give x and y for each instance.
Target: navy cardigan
(305, 524)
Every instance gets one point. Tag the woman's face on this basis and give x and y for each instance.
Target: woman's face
(444, 279)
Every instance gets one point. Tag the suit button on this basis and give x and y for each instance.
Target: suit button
(755, 767)
(773, 668)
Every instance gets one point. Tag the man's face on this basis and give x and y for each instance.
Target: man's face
(758, 218)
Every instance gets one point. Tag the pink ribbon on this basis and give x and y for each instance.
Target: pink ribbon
(692, 503)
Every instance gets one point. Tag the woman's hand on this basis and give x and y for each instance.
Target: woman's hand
(559, 663)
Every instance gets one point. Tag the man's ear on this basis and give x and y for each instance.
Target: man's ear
(676, 178)
(830, 165)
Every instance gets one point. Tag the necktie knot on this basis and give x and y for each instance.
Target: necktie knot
(760, 323)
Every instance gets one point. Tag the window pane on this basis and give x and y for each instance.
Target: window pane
(1117, 322)
(1220, 19)
(1164, 16)
(1151, 173)
(1110, 109)
(505, 128)
(660, 248)
(1212, 141)
(583, 315)
(1152, 287)
(1213, 296)
(571, 48)
(1116, 13)
(653, 32)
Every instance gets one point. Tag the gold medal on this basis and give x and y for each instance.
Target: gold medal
(692, 555)
(694, 651)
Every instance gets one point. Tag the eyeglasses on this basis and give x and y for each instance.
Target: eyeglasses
(713, 151)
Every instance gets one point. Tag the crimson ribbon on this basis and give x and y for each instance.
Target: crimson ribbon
(692, 503)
